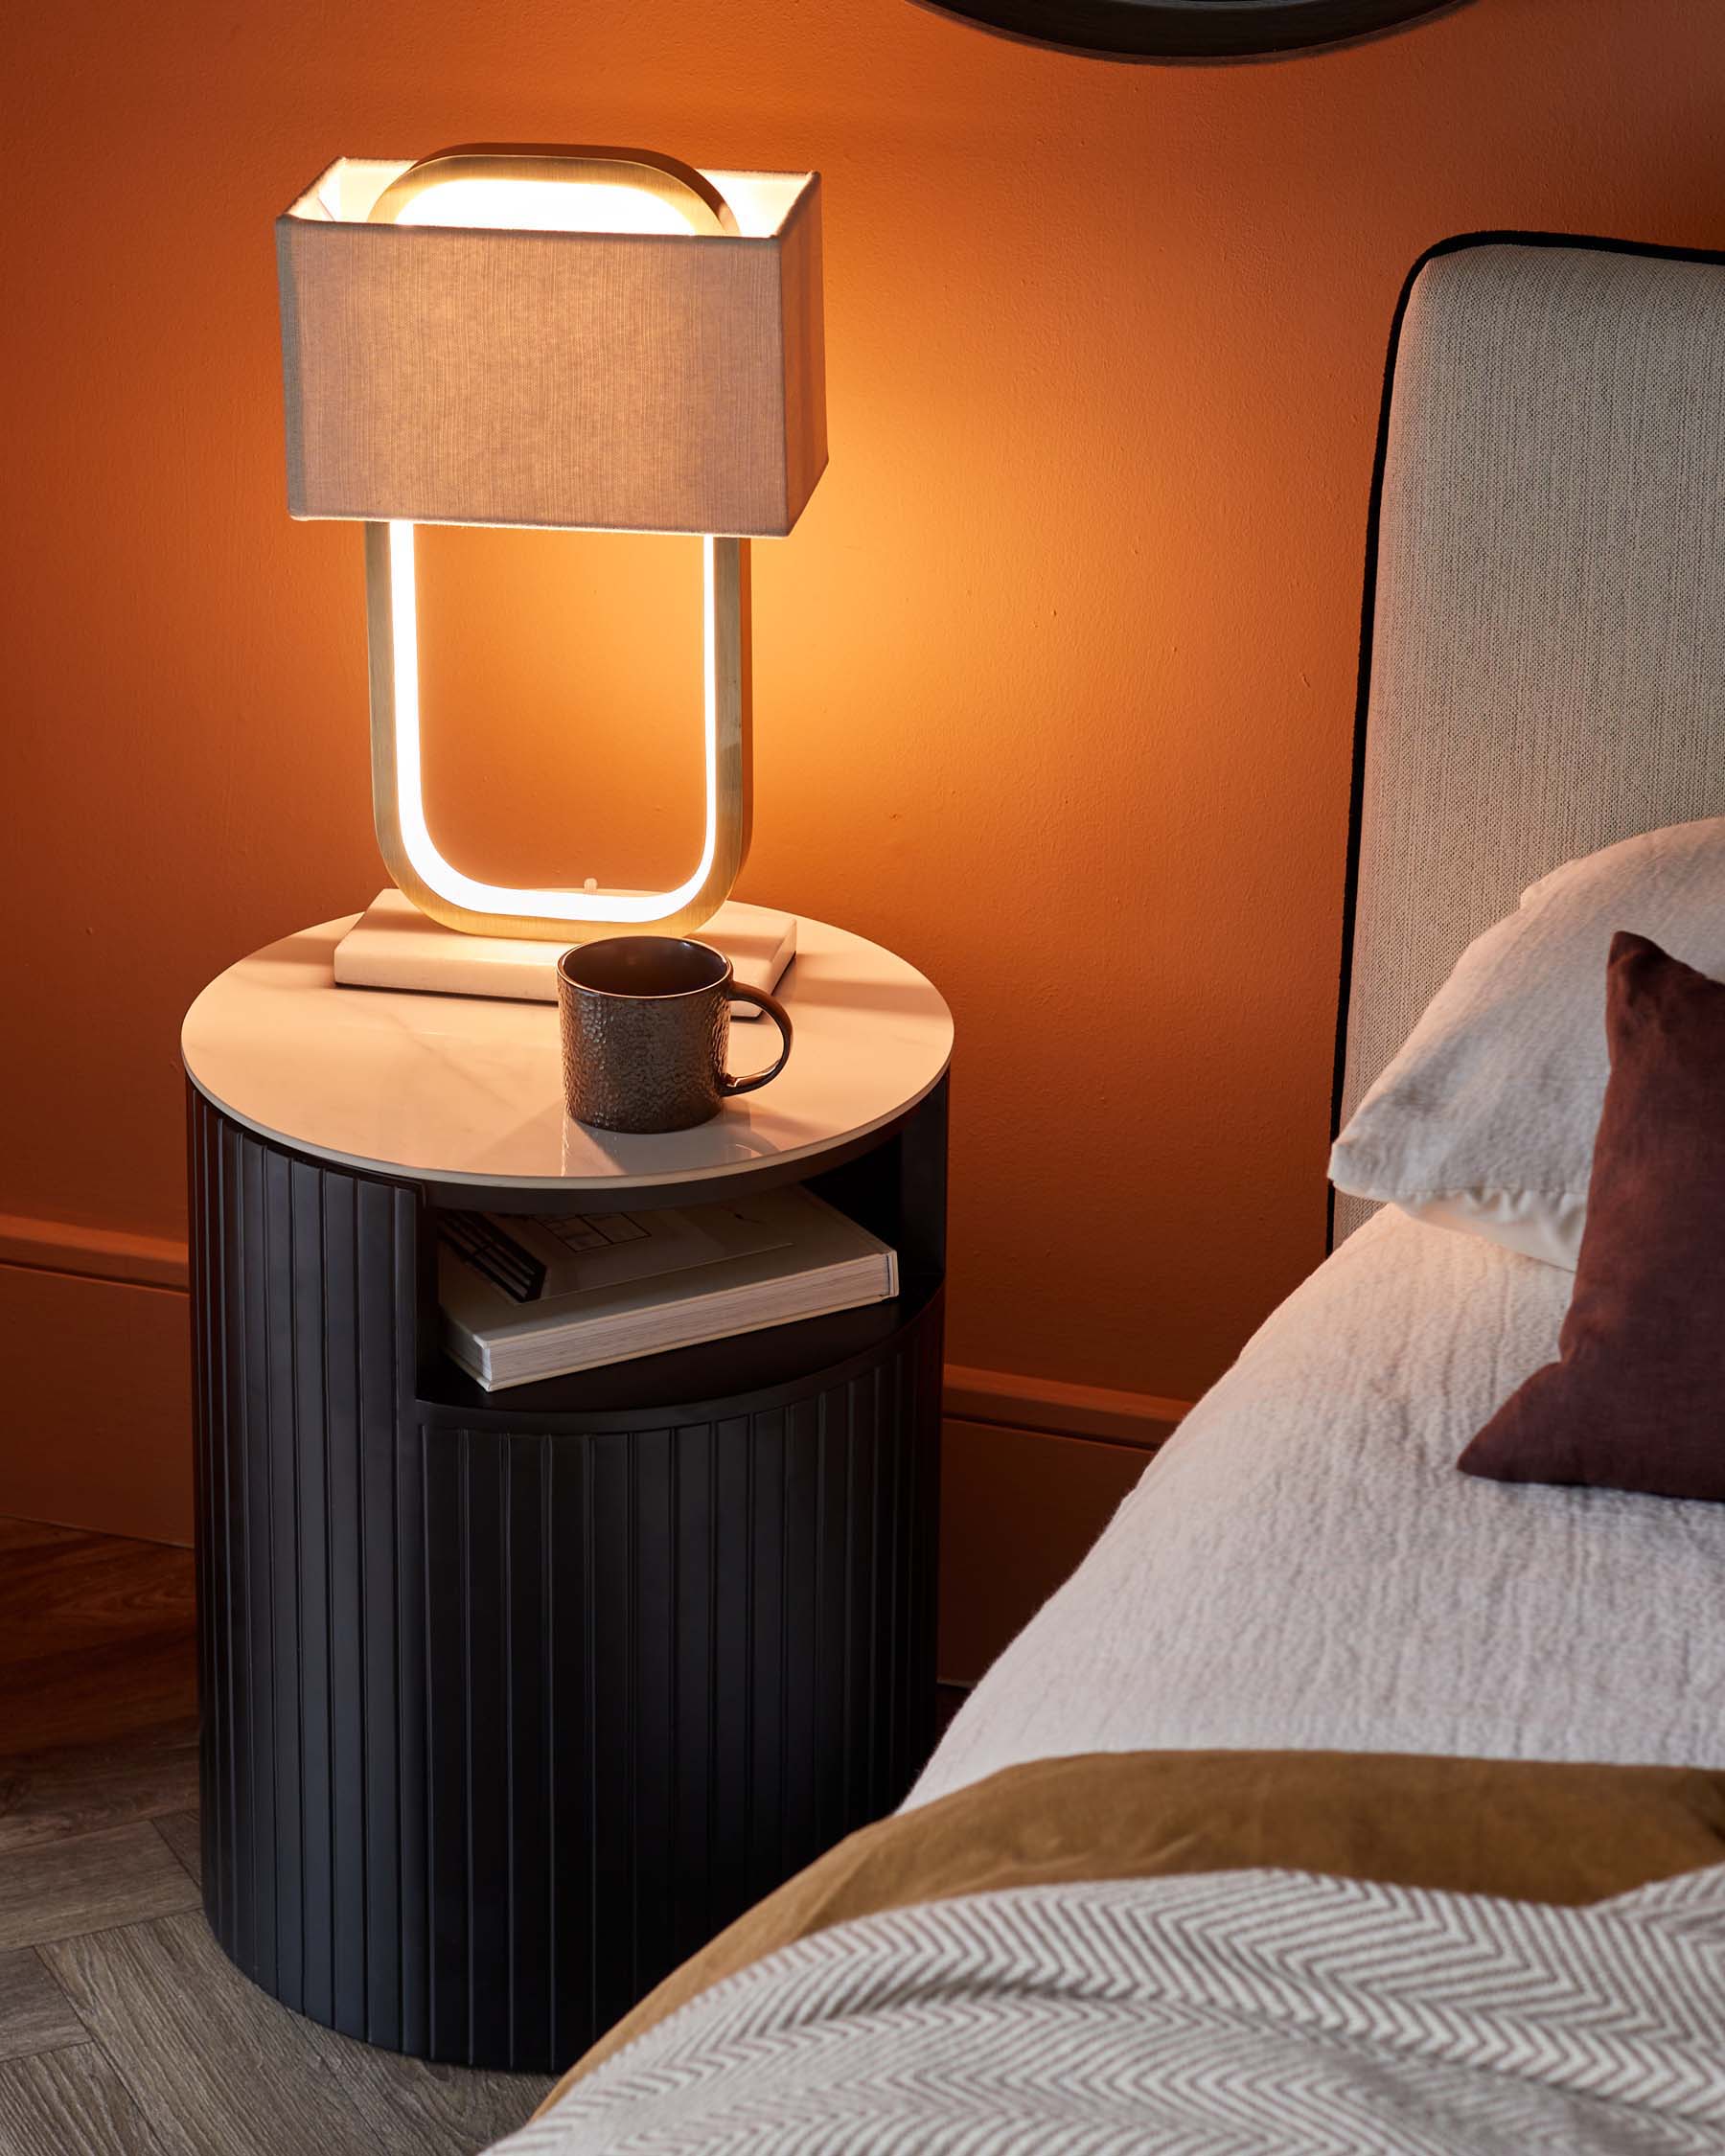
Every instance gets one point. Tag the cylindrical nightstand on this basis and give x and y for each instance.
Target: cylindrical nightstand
(511, 1700)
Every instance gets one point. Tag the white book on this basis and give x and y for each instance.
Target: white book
(529, 1298)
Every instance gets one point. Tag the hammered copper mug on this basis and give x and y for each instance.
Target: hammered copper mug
(646, 1029)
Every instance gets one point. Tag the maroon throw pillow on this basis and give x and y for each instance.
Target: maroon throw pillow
(1636, 1400)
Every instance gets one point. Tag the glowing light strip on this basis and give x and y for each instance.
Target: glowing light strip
(448, 881)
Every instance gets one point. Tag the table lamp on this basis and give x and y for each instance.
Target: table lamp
(560, 338)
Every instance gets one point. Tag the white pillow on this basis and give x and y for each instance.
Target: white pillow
(1484, 1121)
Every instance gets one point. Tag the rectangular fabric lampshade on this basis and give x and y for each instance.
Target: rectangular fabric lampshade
(630, 381)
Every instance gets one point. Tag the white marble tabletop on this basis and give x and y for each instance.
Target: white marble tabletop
(468, 1089)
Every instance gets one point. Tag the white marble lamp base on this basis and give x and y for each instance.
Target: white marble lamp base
(394, 945)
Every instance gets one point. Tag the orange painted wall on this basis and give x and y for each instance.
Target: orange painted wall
(1054, 681)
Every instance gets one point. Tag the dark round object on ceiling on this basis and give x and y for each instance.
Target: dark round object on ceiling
(1195, 30)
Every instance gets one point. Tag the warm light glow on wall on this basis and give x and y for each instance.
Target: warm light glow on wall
(466, 891)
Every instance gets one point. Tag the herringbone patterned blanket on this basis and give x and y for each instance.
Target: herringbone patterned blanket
(1242, 2011)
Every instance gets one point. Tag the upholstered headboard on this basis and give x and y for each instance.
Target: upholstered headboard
(1543, 649)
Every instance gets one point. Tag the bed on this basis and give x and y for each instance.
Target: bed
(1303, 1566)
(1340, 1801)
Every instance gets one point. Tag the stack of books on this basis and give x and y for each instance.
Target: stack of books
(529, 1298)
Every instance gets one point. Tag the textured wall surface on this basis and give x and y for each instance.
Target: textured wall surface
(1054, 681)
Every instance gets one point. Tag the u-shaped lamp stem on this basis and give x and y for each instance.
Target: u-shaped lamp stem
(459, 901)
(412, 856)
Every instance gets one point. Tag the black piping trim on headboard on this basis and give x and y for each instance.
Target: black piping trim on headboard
(1356, 797)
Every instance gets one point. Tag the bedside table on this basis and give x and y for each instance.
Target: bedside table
(511, 1700)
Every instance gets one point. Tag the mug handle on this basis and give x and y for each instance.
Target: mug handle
(736, 993)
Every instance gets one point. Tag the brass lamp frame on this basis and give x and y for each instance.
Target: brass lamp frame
(433, 883)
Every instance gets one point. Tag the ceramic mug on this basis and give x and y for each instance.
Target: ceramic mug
(646, 1027)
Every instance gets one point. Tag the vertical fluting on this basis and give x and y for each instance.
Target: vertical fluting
(501, 1723)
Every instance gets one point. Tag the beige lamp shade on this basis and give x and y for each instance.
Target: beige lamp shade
(609, 381)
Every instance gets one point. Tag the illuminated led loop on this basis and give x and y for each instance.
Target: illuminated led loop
(552, 189)
(467, 892)
(518, 186)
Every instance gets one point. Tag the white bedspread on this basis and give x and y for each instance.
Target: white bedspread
(1304, 1568)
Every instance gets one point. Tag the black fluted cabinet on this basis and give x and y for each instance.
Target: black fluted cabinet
(510, 1701)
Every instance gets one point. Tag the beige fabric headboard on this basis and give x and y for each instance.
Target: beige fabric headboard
(1544, 643)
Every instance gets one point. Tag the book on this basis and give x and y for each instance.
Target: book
(526, 1298)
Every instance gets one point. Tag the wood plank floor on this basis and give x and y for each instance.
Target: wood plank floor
(123, 2031)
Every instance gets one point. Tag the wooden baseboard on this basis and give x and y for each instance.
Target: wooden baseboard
(105, 1259)
(1059, 1410)
(92, 1253)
